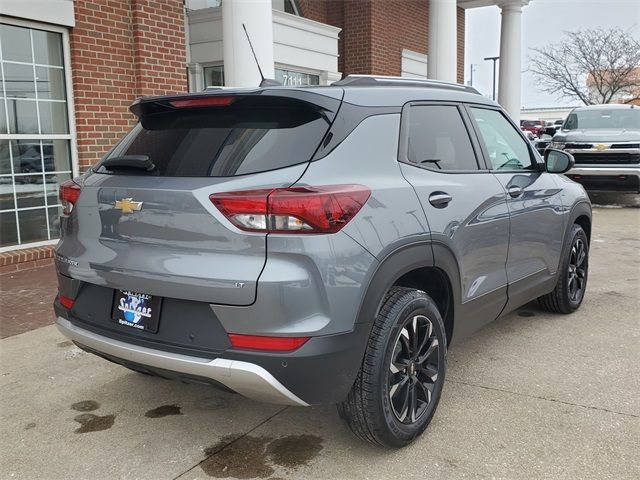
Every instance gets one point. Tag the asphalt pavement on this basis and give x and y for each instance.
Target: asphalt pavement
(532, 395)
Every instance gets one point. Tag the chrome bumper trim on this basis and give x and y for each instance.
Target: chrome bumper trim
(604, 170)
(247, 379)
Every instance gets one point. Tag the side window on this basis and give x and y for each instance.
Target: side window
(507, 149)
(438, 139)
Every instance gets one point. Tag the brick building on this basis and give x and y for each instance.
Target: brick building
(390, 27)
(70, 69)
(319, 41)
(120, 50)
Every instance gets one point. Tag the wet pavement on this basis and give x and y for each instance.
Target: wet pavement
(532, 395)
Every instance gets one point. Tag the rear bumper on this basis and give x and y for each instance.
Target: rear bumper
(607, 178)
(313, 292)
(245, 378)
(322, 371)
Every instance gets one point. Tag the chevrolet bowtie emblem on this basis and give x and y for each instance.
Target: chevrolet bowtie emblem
(601, 146)
(127, 205)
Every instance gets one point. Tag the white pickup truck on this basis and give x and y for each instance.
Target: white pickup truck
(605, 142)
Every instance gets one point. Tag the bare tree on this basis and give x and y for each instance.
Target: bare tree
(594, 65)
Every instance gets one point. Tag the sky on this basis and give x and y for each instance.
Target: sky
(543, 22)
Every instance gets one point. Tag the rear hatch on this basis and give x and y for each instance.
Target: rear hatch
(144, 221)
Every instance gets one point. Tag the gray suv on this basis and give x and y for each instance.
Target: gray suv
(317, 245)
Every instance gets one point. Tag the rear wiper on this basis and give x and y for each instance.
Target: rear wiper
(127, 162)
(432, 160)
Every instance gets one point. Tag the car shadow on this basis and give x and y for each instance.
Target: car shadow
(614, 199)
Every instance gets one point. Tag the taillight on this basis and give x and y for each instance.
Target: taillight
(66, 302)
(69, 193)
(274, 344)
(306, 209)
(209, 101)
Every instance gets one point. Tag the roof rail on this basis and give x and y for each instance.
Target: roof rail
(383, 81)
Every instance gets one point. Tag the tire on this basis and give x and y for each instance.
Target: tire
(569, 291)
(375, 407)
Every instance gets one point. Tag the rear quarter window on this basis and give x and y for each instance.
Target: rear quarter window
(438, 139)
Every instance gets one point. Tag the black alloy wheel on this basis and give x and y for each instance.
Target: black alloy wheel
(577, 274)
(414, 370)
(399, 385)
(573, 273)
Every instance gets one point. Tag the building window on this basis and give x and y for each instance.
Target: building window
(290, 6)
(35, 140)
(290, 78)
(213, 76)
(200, 4)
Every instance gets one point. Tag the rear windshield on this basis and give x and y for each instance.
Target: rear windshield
(250, 136)
(619, 119)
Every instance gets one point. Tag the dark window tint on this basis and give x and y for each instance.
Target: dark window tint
(244, 138)
(438, 139)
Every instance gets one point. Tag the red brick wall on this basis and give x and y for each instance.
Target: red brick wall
(159, 45)
(398, 24)
(120, 50)
(374, 32)
(461, 27)
(357, 37)
(316, 9)
(24, 259)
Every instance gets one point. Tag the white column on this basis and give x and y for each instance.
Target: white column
(240, 68)
(442, 60)
(510, 77)
(195, 77)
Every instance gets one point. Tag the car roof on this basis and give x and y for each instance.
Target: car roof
(363, 90)
(397, 96)
(371, 90)
(606, 106)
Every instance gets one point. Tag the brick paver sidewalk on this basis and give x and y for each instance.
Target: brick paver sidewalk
(26, 300)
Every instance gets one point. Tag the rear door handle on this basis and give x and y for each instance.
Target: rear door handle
(440, 199)
(515, 192)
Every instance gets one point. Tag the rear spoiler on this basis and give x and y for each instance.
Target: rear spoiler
(326, 99)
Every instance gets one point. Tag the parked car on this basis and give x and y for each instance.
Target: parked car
(605, 142)
(28, 158)
(542, 143)
(530, 136)
(551, 128)
(317, 245)
(32, 157)
(534, 126)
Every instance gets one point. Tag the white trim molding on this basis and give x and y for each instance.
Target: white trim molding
(306, 45)
(300, 44)
(55, 12)
(70, 136)
(24, 246)
(414, 64)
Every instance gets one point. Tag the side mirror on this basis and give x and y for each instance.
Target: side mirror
(558, 161)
